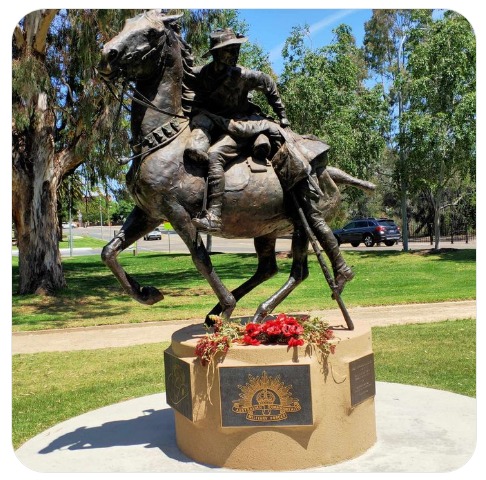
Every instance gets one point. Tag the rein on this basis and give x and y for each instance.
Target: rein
(145, 102)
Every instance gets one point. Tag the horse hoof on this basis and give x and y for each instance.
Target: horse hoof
(259, 317)
(150, 295)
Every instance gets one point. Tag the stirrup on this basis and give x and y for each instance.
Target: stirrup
(208, 223)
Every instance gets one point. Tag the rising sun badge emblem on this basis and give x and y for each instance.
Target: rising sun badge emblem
(265, 399)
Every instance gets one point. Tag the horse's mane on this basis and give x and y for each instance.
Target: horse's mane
(187, 94)
(188, 75)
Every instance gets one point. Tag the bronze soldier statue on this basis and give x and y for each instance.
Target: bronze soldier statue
(221, 104)
(150, 55)
(222, 88)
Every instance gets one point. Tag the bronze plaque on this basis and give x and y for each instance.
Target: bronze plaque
(265, 396)
(178, 384)
(362, 379)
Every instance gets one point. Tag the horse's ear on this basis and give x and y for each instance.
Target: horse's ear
(168, 20)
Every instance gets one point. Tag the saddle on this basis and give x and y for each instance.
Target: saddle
(294, 160)
(237, 173)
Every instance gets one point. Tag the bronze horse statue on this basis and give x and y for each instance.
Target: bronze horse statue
(165, 186)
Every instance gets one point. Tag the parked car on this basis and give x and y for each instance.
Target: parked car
(153, 235)
(66, 225)
(369, 231)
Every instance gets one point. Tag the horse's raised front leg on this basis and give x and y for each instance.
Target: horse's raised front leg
(267, 268)
(298, 273)
(182, 224)
(136, 226)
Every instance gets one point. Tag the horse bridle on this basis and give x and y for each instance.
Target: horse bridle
(140, 99)
(143, 101)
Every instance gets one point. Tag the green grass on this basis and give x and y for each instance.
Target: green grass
(94, 297)
(51, 387)
(436, 355)
(81, 241)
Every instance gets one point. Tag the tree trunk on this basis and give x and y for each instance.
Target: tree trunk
(437, 226)
(437, 199)
(36, 171)
(35, 179)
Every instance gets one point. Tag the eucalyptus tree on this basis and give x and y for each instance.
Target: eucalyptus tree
(60, 115)
(440, 125)
(63, 117)
(387, 47)
(326, 94)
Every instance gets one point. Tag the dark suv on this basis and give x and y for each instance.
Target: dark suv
(369, 231)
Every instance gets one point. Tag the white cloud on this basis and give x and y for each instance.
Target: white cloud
(276, 52)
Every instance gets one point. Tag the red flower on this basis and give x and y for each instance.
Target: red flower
(329, 334)
(282, 330)
(292, 329)
(272, 328)
(253, 329)
(207, 347)
(248, 340)
(295, 342)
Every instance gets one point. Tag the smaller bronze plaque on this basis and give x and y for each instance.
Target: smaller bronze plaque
(362, 379)
(178, 384)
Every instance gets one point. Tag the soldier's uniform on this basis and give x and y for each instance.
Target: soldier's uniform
(222, 97)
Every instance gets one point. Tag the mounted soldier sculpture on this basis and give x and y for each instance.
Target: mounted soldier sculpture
(189, 123)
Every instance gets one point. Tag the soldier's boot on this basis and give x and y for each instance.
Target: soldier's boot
(342, 272)
(210, 221)
(197, 146)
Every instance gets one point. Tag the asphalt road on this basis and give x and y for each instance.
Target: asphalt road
(172, 243)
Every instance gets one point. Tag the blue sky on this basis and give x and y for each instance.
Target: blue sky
(271, 27)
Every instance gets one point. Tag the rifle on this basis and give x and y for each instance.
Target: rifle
(335, 290)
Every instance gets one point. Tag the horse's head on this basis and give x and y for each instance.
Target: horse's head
(138, 51)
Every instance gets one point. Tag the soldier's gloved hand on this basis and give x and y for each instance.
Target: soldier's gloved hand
(284, 122)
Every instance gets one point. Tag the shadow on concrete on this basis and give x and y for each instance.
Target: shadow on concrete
(154, 429)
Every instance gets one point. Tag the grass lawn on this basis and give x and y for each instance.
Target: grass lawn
(436, 355)
(81, 241)
(51, 387)
(94, 297)
(48, 388)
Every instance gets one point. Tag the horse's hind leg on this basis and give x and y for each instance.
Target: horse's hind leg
(298, 273)
(135, 227)
(267, 268)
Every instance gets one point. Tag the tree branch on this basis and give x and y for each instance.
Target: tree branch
(452, 204)
(19, 37)
(36, 28)
(40, 41)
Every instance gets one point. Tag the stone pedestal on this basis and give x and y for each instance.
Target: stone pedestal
(273, 407)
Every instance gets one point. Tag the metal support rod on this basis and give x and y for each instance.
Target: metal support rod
(335, 291)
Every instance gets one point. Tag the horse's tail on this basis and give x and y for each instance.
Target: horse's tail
(342, 178)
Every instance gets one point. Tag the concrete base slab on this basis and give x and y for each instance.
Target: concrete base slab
(419, 430)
